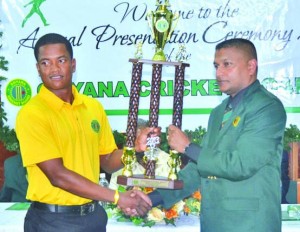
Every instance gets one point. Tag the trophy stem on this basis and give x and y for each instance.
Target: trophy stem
(153, 117)
(155, 95)
(175, 161)
(134, 103)
(178, 96)
(150, 169)
(128, 158)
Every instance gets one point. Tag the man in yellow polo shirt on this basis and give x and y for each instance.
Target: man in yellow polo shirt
(64, 136)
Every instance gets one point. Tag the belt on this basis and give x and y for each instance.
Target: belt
(73, 209)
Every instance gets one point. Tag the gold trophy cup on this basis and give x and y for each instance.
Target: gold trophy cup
(128, 158)
(162, 23)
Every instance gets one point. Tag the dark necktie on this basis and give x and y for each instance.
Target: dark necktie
(227, 114)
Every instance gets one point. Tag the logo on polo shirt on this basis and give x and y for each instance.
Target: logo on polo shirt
(95, 126)
(18, 92)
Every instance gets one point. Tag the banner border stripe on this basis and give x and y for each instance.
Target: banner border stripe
(188, 111)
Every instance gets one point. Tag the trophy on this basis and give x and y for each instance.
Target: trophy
(162, 23)
(149, 179)
(161, 26)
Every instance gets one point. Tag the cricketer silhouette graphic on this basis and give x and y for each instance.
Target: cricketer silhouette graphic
(35, 9)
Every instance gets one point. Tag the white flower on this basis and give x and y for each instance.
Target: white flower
(179, 206)
(156, 215)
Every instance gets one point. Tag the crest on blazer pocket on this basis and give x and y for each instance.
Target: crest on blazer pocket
(236, 121)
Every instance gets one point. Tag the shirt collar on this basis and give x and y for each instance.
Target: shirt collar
(234, 101)
(56, 102)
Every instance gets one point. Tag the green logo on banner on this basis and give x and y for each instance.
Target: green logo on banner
(18, 92)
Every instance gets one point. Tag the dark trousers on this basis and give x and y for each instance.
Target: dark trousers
(42, 221)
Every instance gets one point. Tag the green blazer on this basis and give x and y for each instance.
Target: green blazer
(15, 184)
(238, 169)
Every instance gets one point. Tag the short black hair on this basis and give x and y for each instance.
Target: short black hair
(52, 38)
(243, 44)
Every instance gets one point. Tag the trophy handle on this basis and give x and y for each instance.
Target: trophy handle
(149, 19)
(174, 24)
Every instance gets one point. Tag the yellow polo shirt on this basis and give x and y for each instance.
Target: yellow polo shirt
(50, 128)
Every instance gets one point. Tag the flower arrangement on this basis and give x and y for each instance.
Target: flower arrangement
(190, 205)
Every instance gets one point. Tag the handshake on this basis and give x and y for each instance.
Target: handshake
(134, 203)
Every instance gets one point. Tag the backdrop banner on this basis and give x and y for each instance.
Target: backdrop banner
(106, 34)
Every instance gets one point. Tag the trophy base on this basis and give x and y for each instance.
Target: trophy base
(158, 182)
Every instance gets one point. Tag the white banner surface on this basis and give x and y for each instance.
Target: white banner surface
(104, 35)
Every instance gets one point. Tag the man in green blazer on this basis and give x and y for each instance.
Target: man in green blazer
(237, 166)
(15, 183)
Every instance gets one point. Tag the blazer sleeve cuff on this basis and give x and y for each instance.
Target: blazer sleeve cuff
(192, 151)
(155, 198)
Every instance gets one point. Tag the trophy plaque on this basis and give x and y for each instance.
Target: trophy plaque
(149, 179)
(162, 23)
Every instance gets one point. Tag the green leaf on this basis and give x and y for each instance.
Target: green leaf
(149, 223)
(137, 220)
(123, 219)
(170, 221)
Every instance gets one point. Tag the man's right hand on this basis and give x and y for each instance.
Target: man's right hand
(177, 139)
(134, 203)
